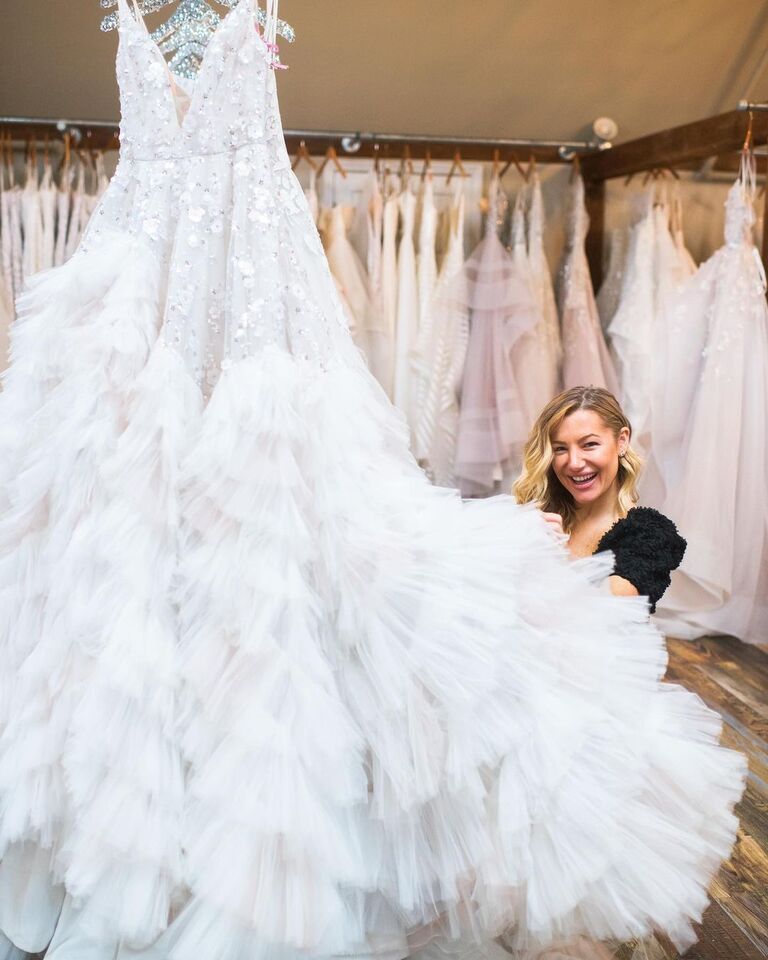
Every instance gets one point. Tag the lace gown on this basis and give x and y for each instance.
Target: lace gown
(264, 690)
(712, 439)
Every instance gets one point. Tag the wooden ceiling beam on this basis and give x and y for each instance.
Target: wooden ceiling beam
(715, 136)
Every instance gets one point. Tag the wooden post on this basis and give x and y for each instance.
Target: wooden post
(594, 196)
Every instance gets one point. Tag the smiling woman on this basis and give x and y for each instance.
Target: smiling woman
(581, 470)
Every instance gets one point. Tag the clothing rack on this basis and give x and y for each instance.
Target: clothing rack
(722, 136)
(101, 135)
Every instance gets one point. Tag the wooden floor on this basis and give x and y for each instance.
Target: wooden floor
(732, 678)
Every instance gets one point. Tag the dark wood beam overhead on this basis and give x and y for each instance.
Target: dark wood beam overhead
(721, 134)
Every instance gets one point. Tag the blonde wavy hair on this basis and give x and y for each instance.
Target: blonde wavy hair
(538, 482)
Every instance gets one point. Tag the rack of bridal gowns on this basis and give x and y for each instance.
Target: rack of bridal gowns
(468, 349)
(42, 217)
(709, 413)
(656, 266)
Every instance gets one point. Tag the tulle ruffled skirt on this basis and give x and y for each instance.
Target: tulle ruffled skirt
(266, 693)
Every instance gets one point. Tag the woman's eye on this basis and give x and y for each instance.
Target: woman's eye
(591, 443)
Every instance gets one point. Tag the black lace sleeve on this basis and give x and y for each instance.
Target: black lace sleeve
(647, 548)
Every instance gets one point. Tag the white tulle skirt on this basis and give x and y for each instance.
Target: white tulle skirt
(267, 693)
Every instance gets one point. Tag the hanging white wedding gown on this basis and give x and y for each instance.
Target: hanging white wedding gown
(609, 294)
(437, 425)
(586, 360)
(532, 358)
(656, 267)
(426, 278)
(542, 285)
(389, 294)
(711, 436)
(265, 692)
(407, 326)
(348, 272)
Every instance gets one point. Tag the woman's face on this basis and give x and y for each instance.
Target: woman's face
(586, 455)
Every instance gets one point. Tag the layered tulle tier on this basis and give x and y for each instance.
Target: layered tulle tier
(270, 694)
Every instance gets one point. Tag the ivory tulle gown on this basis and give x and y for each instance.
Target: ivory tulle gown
(711, 436)
(265, 691)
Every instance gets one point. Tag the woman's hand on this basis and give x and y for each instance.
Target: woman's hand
(554, 523)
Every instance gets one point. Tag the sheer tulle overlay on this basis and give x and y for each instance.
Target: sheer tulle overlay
(266, 692)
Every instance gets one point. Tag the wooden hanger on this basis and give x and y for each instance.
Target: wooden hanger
(496, 162)
(303, 154)
(406, 165)
(456, 166)
(330, 154)
(513, 159)
(427, 168)
(748, 138)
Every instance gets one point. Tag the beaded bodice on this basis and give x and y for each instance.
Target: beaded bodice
(204, 182)
(224, 108)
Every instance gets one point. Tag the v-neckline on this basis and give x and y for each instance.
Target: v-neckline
(141, 25)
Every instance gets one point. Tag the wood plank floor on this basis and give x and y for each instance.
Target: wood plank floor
(732, 678)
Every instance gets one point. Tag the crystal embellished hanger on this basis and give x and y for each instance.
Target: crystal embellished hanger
(185, 34)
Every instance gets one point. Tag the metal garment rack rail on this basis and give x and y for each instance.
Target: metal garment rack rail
(104, 135)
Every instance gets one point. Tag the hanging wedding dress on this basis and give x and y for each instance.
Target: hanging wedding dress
(586, 361)
(389, 295)
(712, 439)
(609, 294)
(76, 215)
(348, 272)
(7, 309)
(264, 690)
(532, 357)
(543, 289)
(63, 204)
(437, 425)
(31, 222)
(407, 327)
(426, 275)
(16, 235)
(493, 421)
(654, 272)
(48, 201)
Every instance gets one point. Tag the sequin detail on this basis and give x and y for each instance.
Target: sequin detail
(211, 190)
